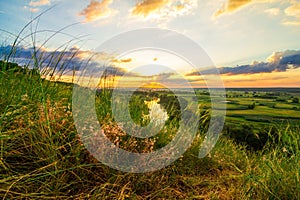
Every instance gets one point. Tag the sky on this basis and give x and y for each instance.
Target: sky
(253, 43)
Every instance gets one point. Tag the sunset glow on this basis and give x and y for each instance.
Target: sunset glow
(253, 43)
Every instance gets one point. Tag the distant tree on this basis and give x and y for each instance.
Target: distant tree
(295, 100)
(244, 134)
(281, 99)
(251, 106)
(14, 67)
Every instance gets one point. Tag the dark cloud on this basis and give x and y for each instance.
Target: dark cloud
(60, 60)
(277, 62)
(63, 61)
(116, 71)
(170, 78)
(293, 59)
(164, 76)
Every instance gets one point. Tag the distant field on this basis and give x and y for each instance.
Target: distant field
(259, 106)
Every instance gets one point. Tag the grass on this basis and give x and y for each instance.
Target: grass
(42, 157)
(266, 111)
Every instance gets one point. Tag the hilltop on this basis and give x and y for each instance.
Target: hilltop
(42, 157)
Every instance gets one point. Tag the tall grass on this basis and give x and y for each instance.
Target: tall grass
(41, 156)
(276, 171)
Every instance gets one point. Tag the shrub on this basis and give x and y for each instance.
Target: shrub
(295, 100)
(245, 135)
(251, 106)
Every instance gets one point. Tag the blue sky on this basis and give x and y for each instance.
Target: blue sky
(232, 32)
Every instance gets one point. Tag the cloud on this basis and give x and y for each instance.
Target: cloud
(291, 23)
(235, 5)
(34, 5)
(148, 6)
(277, 62)
(66, 61)
(97, 10)
(163, 76)
(231, 6)
(34, 10)
(39, 3)
(273, 11)
(294, 12)
(277, 57)
(163, 9)
(113, 71)
(125, 60)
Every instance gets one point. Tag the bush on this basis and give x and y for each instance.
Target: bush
(295, 100)
(280, 99)
(245, 135)
(251, 106)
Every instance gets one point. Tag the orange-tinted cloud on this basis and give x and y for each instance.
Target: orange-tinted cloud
(39, 3)
(231, 6)
(162, 9)
(34, 5)
(293, 11)
(291, 23)
(125, 60)
(148, 6)
(276, 79)
(34, 10)
(97, 10)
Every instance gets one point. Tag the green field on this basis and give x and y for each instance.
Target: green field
(42, 157)
(273, 108)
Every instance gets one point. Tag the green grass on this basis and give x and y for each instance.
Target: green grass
(266, 111)
(42, 157)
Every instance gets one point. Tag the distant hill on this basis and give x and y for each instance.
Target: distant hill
(14, 67)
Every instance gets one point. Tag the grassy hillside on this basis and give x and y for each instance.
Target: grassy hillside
(41, 156)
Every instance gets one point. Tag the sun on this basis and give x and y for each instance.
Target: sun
(153, 85)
